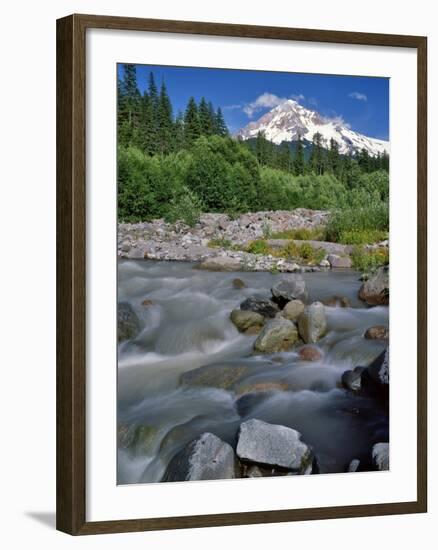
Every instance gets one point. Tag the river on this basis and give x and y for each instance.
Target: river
(186, 325)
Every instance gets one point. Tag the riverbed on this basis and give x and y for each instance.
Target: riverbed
(184, 315)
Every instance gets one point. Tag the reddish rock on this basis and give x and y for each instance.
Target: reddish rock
(310, 353)
(147, 303)
(379, 332)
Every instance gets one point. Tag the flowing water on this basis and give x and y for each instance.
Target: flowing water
(186, 325)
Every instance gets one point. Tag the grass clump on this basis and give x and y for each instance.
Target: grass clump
(362, 236)
(259, 246)
(220, 243)
(369, 260)
(359, 225)
(301, 234)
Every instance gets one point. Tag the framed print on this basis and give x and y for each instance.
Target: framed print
(235, 206)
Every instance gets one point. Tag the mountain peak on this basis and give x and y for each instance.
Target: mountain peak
(290, 120)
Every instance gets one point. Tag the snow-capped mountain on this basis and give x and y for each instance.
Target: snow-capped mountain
(289, 120)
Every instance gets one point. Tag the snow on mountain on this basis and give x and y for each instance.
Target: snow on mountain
(289, 120)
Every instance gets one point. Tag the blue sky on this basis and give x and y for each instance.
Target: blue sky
(362, 102)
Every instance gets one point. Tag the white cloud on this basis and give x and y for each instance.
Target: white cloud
(358, 95)
(339, 120)
(298, 97)
(263, 101)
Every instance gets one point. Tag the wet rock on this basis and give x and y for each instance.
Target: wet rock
(265, 307)
(238, 284)
(277, 335)
(257, 387)
(380, 456)
(138, 439)
(337, 301)
(221, 263)
(293, 309)
(375, 291)
(378, 370)
(206, 457)
(273, 445)
(216, 376)
(128, 323)
(246, 320)
(309, 353)
(339, 261)
(354, 465)
(312, 323)
(352, 379)
(291, 287)
(324, 263)
(147, 303)
(379, 332)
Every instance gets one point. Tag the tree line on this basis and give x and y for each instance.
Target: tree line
(178, 167)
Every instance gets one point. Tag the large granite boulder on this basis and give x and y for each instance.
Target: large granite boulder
(375, 291)
(221, 263)
(291, 287)
(312, 323)
(278, 334)
(293, 309)
(206, 457)
(273, 445)
(128, 322)
(380, 456)
(249, 322)
(339, 261)
(265, 307)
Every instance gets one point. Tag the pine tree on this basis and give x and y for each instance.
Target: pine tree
(333, 162)
(148, 127)
(317, 160)
(299, 162)
(192, 128)
(221, 127)
(206, 124)
(129, 103)
(284, 158)
(164, 122)
(179, 132)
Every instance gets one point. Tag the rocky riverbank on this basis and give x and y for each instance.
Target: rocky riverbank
(219, 243)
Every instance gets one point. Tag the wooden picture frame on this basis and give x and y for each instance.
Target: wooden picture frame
(71, 273)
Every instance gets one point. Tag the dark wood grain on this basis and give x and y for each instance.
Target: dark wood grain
(71, 270)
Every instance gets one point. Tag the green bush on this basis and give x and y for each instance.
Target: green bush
(301, 234)
(187, 208)
(369, 260)
(258, 246)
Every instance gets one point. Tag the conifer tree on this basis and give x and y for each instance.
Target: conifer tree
(192, 128)
(164, 122)
(317, 155)
(179, 132)
(333, 160)
(299, 163)
(206, 124)
(148, 129)
(221, 127)
(284, 158)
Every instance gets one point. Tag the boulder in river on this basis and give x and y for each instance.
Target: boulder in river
(278, 334)
(206, 457)
(379, 332)
(238, 284)
(265, 307)
(215, 376)
(339, 261)
(352, 379)
(292, 287)
(312, 323)
(273, 445)
(378, 370)
(293, 309)
(137, 439)
(310, 353)
(354, 465)
(221, 263)
(375, 291)
(128, 323)
(247, 321)
(337, 301)
(380, 456)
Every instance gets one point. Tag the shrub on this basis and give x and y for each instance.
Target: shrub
(301, 234)
(362, 236)
(369, 259)
(358, 220)
(187, 208)
(259, 246)
(220, 243)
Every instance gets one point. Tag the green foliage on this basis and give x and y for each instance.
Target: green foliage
(362, 236)
(369, 259)
(186, 207)
(220, 243)
(301, 234)
(259, 246)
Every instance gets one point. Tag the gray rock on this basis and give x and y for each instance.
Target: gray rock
(352, 379)
(265, 307)
(378, 370)
(273, 445)
(354, 465)
(339, 261)
(216, 376)
(221, 263)
(375, 291)
(324, 263)
(293, 309)
(206, 457)
(246, 320)
(312, 323)
(238, 284)
(380, 456)
(278, 334)
(128, 323)
(291, 287)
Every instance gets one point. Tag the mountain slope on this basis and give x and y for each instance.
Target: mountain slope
(289, 120)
